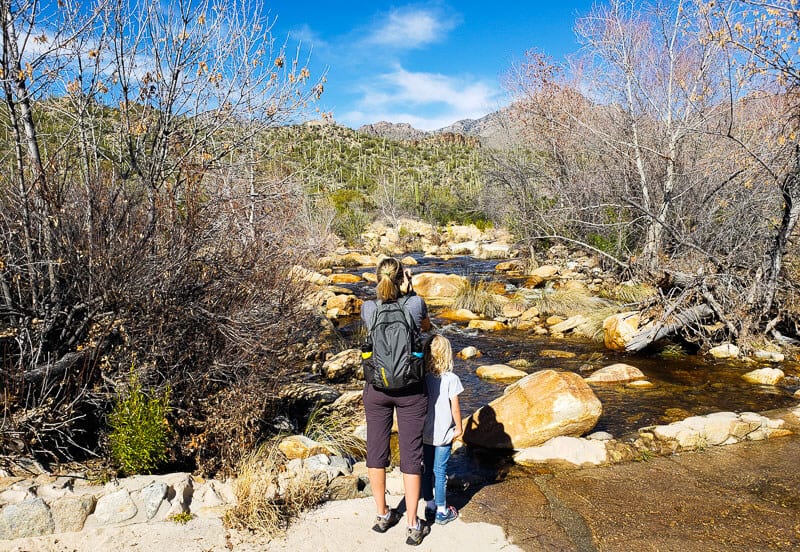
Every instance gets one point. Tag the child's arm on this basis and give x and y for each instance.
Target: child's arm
(455, 409)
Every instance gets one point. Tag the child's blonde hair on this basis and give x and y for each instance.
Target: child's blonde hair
(438, 355)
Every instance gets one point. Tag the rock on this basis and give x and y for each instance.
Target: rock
(513, 310)
(499, 372)
(345, 278)
(343, 366)
(768, 356)
(370, 277)
(29, 518)
(438, 286)
(510, 266)
(357, 259)
(394, 482)
(570, 323)
(765, 376)
(554, 353)
(184, 491)
(640, 384)
(70, 512)
(553, 320)
(726, 350)
(545, 272)
(533, 281)
(115, 508)
(313, 393)
(533, 410)
(494, 250)
(600, 436)
(302, 274)
(568, 449)
(529, 314)
(408, 260)
(300, 446)
(343, 305)
(468, 352)
(618, 329)
(616, 373)
(465, 248)
(487, 325)
(519, 363)
(460, 315)
(348, 487)
(152, 496)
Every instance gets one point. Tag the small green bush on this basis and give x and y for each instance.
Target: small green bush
(139, 430)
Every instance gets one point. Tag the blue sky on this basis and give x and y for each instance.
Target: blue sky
(428, 64)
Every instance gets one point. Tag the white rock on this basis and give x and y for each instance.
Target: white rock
(152, 496)
(569, 449)
(768, 356)
(726, 350)
(29, 518)
(600, 436)
(70, 512)
(115, 508)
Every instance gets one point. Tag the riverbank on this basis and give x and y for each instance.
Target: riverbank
(736, 497)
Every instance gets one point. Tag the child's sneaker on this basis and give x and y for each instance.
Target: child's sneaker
(414, 535)
(449, 515)
(382, 524)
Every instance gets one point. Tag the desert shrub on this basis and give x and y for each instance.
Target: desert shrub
(139, 429)
(265, 503)
(476, 296)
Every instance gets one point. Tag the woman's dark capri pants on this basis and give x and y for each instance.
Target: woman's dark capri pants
(412, 406)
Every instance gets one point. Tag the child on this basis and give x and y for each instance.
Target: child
(442, 425)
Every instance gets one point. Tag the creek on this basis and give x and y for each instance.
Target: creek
(682, 386)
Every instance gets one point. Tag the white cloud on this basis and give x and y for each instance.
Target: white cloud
(308, 37)
(410, 28)
(426, 100)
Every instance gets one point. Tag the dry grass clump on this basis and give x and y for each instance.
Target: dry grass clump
(672, 350)
(592, 328)
(568, 302)
(334, 429)
(266, 501)
(476, 296)
(629, 293)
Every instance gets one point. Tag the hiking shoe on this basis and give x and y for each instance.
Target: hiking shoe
(449, 515)
(382, 524)
(414, 535)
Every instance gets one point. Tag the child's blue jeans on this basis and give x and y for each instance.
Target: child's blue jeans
(435, 473)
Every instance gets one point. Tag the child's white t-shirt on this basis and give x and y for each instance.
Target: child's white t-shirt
(439, 424)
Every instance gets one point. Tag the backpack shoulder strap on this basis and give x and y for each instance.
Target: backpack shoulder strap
(410, 319)
(378, 304)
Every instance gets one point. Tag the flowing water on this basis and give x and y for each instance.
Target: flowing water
(682, 386)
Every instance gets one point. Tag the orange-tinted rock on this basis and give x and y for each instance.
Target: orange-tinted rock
(536, 408)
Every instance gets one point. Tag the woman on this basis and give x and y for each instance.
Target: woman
(410, 403)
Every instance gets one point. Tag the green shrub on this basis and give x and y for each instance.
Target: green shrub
(139, 429)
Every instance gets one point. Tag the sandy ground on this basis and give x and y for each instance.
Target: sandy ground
(335, 526)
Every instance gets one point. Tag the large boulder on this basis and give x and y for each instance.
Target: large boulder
(438, 286)
(618, 329)
(533, 410)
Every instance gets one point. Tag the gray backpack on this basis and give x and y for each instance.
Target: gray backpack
(392, 353)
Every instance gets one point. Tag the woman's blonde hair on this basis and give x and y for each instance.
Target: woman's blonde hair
(438, 355)
(390, 276)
